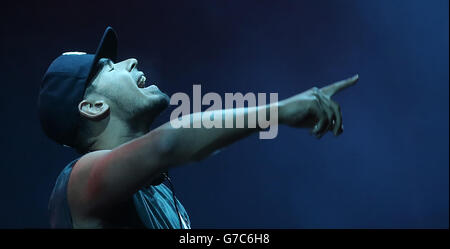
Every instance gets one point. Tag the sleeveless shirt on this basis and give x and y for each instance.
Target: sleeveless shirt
(150, 207)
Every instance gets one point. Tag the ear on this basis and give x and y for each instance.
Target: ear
(93, 111)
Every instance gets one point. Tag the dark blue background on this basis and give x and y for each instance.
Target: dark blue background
(389, 169)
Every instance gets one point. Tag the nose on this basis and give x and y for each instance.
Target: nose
(131, 64)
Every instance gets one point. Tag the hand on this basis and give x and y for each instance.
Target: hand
(314, 109)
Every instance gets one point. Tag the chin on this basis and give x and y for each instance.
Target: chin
(162, 100)
(159, 103)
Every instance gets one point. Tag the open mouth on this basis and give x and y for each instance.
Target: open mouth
(141, 81)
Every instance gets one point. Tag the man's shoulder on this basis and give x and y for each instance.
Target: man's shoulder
(87, 160)
(79, 176)
(81, 169)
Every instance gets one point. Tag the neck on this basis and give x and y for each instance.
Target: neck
(117, 132)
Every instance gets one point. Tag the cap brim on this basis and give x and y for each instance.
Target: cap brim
(107, 48)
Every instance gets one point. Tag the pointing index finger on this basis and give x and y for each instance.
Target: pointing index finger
(336, 87)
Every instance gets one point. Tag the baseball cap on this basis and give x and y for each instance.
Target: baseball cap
(63, 86)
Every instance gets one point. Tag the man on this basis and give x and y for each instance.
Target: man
(102, 109)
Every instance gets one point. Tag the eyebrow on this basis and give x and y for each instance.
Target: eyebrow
(99, 67)
(101, 64)
(103, 61)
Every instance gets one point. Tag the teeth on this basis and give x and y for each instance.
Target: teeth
(141, 82)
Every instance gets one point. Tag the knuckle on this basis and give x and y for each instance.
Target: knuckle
(315, 100)
(314, 103)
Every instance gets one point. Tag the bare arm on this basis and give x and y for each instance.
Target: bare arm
(311, 109)
(193, 144)
(103, 177)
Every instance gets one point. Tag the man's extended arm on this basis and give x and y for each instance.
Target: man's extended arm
(193, 144)
(105, 177)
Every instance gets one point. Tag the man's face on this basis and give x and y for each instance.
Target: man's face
(123, 88)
